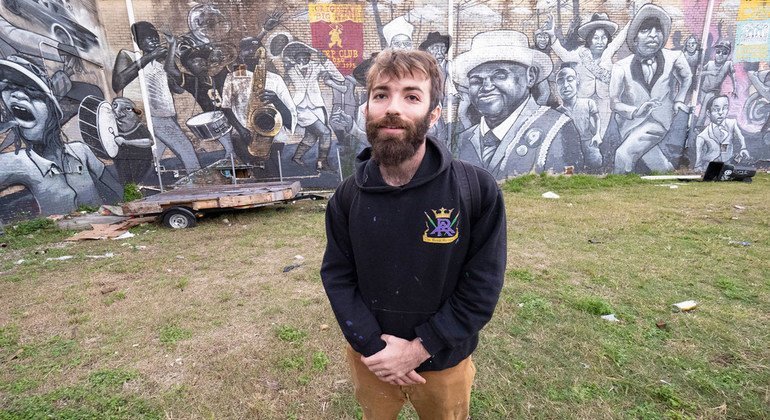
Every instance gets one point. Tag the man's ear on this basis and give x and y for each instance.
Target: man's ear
(435, 115)
(532, 73)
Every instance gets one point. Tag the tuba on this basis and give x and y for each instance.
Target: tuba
(264, 120)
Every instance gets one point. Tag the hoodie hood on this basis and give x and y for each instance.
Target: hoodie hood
(368, 177)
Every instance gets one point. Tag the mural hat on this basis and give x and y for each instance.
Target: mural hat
(293, 48)
(649, 10)
(501, 45)
(436, 38)
(598, 20)
(397, 26)
(21, 72)
(724, 44)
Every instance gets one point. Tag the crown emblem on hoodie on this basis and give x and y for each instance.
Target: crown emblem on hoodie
(442, 227)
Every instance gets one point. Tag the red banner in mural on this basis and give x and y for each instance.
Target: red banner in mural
(338, 31)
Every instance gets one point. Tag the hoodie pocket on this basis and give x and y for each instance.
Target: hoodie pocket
(400, 323)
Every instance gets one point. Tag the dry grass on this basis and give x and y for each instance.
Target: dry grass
(204, 323)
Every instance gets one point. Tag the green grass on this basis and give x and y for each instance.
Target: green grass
(245, 340)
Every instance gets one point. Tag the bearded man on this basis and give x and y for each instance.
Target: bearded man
(414, 262)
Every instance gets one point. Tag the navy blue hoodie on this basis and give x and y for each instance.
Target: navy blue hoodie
(411, 261)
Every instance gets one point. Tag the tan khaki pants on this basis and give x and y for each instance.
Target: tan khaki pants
(446, 394)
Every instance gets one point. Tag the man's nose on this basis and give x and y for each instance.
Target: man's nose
(19, 94)
(487, 85)
(653, 32)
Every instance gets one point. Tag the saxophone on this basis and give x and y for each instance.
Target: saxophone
(263, 118)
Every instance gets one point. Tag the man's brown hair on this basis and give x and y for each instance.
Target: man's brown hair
(397, 64)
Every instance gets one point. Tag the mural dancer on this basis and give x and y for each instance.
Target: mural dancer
(645, 88)
(692, 53)
(304, 74)
(583, 112)
(155, 60)
(714, 74)
(60, 175)
(515, 135)
(200, 84)
(594, 60)
(134, 158)
(715, 142)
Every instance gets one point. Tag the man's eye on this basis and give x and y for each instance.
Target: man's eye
(501, 75)
(475, 81)
(413, 98)
(379, 96)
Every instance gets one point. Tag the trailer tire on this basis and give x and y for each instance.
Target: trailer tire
(179, 218)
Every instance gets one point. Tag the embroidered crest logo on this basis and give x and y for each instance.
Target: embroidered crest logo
(442, 227)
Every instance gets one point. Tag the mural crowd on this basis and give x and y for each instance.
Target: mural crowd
(277, 90)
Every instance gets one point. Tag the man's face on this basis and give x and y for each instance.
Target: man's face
(149, 43)
(401, 42)
(691, 45)
(649, 39)
(567, 82)
(27, 106)
(438, 51)
(542, 41)
(303, 57)
(124, 114)
(198, 66)
(398, 118)
(598, 42)
(721, 54)
(497, 88)
(718, 111)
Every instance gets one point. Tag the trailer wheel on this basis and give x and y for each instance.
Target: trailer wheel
(179, 218)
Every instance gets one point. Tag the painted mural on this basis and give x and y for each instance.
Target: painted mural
(187, 92)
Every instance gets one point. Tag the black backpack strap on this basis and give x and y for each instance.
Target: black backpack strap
(470, 190)
(347, 192)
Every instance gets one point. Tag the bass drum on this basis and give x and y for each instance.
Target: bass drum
(209, 125)
(98, 126)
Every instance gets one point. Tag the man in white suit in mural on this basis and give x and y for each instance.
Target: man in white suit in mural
(646, 89)
(516, 135)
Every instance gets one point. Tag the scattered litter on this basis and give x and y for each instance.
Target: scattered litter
(595, 241)
(180, 257)
(135, 345)
(733, 218)
(226, 221)
(98, 257)
(324, 327)
(739, 207)
(111, 210)
(3, 245)
(291, 267)
(684, 306)
(741, 243)
(520, 305)
(550, 194)
(20, 262)
(55, 217)
(673, 187)
(610, 317)
(62, 258)
(140, 247)
(40, 252)
(125, 235)
(299, 257)
(585, 365)
(15, 355)
(661, 324)
(665, 382)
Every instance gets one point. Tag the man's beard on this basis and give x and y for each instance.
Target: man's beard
(390, 150)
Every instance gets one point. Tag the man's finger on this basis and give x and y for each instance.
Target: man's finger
(415, 377)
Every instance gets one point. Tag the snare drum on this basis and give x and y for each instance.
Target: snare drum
(98, 126)
(209, 125)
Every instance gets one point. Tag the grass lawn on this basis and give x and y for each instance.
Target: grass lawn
(211, 322)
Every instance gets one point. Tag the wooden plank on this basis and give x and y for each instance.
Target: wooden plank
(672, 177)
(204, 204)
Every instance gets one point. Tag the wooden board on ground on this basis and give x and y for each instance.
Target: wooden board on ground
(206, 197)
(672, 177)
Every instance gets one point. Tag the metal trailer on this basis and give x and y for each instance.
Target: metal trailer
(182, 207)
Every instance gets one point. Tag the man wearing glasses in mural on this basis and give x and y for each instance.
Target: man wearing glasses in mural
(646, 89)
(60, 175)
(412, 271)
(714, 74)
(516, 135)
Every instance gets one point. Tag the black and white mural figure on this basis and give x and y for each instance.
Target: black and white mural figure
(438, 46)
(134, 160)
(713, 76)
(542, 41)
(646, 89)
(56, 17)
(515, 135)
(398, 33)
(594, 60)
(155, 59)
(692, 53)
(716, 143)
(60, 174)
(307, 67)
(757, 106)
(211, 124)
(584, 114)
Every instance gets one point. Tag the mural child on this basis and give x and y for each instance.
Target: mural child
(715, 142)
(584, 113)
(134, 159)
(714, 74)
